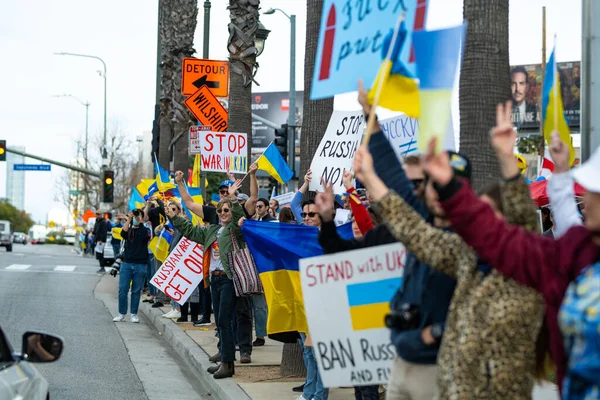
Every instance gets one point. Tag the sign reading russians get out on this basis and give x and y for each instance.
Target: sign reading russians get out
(224, 151)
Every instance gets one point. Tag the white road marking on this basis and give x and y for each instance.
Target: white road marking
(67, 268)
(18, 266)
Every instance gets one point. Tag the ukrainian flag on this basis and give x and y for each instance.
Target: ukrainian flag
(163, 180)
(277, 250)
(145, 186)
(437, 57)
(553, 114)
(272, 163)
(370, 302)
(135, 200)
(196, 195)
(159, 245)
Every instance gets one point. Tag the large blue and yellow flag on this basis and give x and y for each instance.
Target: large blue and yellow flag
(135, 200)
(277, 249)
(159, 245)
(273, 164)
(163, 181)
(438, 54)
(553, 113)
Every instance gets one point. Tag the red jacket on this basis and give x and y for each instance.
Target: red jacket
(540, 262)
(360, 213)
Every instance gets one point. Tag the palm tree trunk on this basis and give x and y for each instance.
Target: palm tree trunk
(177, 25)
(484, 82)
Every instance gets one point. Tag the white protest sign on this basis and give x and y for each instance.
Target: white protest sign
(403, 132)
(342, 216)
(181, 271)
(336, 151)
(224, 151)
(194, 136)
(346, 297)
(285, 198)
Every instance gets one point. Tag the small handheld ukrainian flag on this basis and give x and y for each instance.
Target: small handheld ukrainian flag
(553, 113)
(163, 181)
(273, 164)
(135, 200)
(370, 302)
(159, 245)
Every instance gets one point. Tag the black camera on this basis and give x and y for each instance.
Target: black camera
(406, 317)
(116, 267)
(136, 213)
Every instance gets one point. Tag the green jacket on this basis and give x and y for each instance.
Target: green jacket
(206, 236)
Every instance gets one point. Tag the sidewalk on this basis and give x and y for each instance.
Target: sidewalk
(258, 380)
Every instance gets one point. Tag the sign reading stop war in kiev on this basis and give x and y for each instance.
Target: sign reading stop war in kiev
(346, 297)
(207, 109)
(181, 271)
(351, 39)
(336, 151)
(224, 151)
(199, 72)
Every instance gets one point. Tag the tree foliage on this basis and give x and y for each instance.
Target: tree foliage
(20, 221)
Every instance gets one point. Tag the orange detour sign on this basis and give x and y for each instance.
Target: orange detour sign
(207, 109)
(197, 73)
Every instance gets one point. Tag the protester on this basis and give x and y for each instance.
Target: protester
(489, 344)
(262, 211)
(133, 268)
(566, 271)
(100, 236)
(217, 242)
(361, 220)
(155, 214)
(286, 216)
(274, 207)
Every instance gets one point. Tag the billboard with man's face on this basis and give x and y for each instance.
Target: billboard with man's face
(526, 89)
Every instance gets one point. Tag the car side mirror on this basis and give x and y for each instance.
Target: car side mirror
(39, 347)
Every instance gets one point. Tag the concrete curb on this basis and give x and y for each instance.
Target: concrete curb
(223, 389)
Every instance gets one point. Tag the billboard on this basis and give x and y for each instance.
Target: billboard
(526, 89)
(273, 106)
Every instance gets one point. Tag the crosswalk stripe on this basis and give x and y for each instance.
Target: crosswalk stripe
(69, 268)
(18, 266)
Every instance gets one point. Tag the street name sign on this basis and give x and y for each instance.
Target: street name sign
(198, 72)
(195, 137)
(31, 167)
(207, 109)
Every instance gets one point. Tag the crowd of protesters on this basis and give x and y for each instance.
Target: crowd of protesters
(490, 303)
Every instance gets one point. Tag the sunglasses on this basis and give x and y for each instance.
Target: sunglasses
(259, 206)
(224, 191)
(309, 214)
(174, 209)
(417, 182)
(223, 211)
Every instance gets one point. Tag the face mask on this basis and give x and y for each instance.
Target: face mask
(136, 222)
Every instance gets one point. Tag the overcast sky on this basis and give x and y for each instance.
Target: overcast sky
(123, 33)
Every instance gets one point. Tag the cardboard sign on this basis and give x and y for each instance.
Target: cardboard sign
(207, 109)
(224, 151)
(196, 73)
(285, 198)
(351, 39)
(181, 271)
(352, 290)
(194, 136)
(336, 151)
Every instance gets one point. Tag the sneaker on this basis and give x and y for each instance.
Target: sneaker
(203, 322)
(175, 314)
(157, 304)
(169, 314)
(245, 358)
(258, 342)
(119, 318)
(101, 270)
(135, 319)
(301, 397)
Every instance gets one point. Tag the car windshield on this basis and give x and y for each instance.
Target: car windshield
(2, 226)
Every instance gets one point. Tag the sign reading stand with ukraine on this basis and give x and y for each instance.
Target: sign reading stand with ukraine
(351, 42)
(346, 297)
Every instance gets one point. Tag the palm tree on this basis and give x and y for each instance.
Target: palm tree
(177, 24)
(484, 82)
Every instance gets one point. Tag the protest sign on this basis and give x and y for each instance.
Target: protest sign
(181, 271)
(194, 137)
(336, 151)
(346, 297)
(285, 198)
(351, 38)
(403, 132)
(224, 151)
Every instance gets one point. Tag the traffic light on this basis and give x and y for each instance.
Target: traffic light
(108, 183)
(281, 140)
(2, 150)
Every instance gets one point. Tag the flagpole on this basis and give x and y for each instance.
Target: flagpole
(383, 77)
(556, 82)
(263, 153)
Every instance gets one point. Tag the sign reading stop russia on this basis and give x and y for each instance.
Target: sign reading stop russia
(198, 72)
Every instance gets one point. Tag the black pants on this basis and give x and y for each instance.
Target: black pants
(206, 300)
(194, 310)
(243, 313)
(366, 392)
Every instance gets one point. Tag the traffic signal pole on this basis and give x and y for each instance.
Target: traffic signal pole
(46, 160)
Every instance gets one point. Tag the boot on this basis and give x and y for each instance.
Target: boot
(213, 369)
(194, 311)
(215, 359)
(226, 370)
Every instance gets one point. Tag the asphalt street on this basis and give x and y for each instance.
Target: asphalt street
(51, 288)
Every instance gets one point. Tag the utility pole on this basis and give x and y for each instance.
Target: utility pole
(205, 49)
(292, 114)
(590, 75)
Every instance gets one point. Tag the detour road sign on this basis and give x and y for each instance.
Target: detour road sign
(196, 73)
(207, 109)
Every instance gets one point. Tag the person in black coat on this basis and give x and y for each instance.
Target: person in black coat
(100, 233)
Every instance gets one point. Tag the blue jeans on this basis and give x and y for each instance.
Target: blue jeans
(313, 387)
(259, 304)
(223, 297)
(150, 270)
(131, 272)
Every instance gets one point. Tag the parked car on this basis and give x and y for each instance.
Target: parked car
(70, 238)
(37, 234)
(19, 379)
(6, 237)
(20, 237)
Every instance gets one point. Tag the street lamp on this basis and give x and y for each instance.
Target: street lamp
(292, 100)
(104, 153)
(261, 37)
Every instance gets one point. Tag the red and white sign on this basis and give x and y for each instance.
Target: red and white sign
(181, 271)
(195, 137)
(224, 151)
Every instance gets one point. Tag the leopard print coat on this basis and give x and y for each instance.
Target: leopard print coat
(488, 347)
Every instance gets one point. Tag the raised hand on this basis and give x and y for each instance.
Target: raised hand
(178, 177)
(235, 187)
(559, 152)
(362, 97)
(503, 135)
(308, 177)
(241, 221)
(324, 201)
(363, 165)
(347, 179)
(253, 168)
(437, 166)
